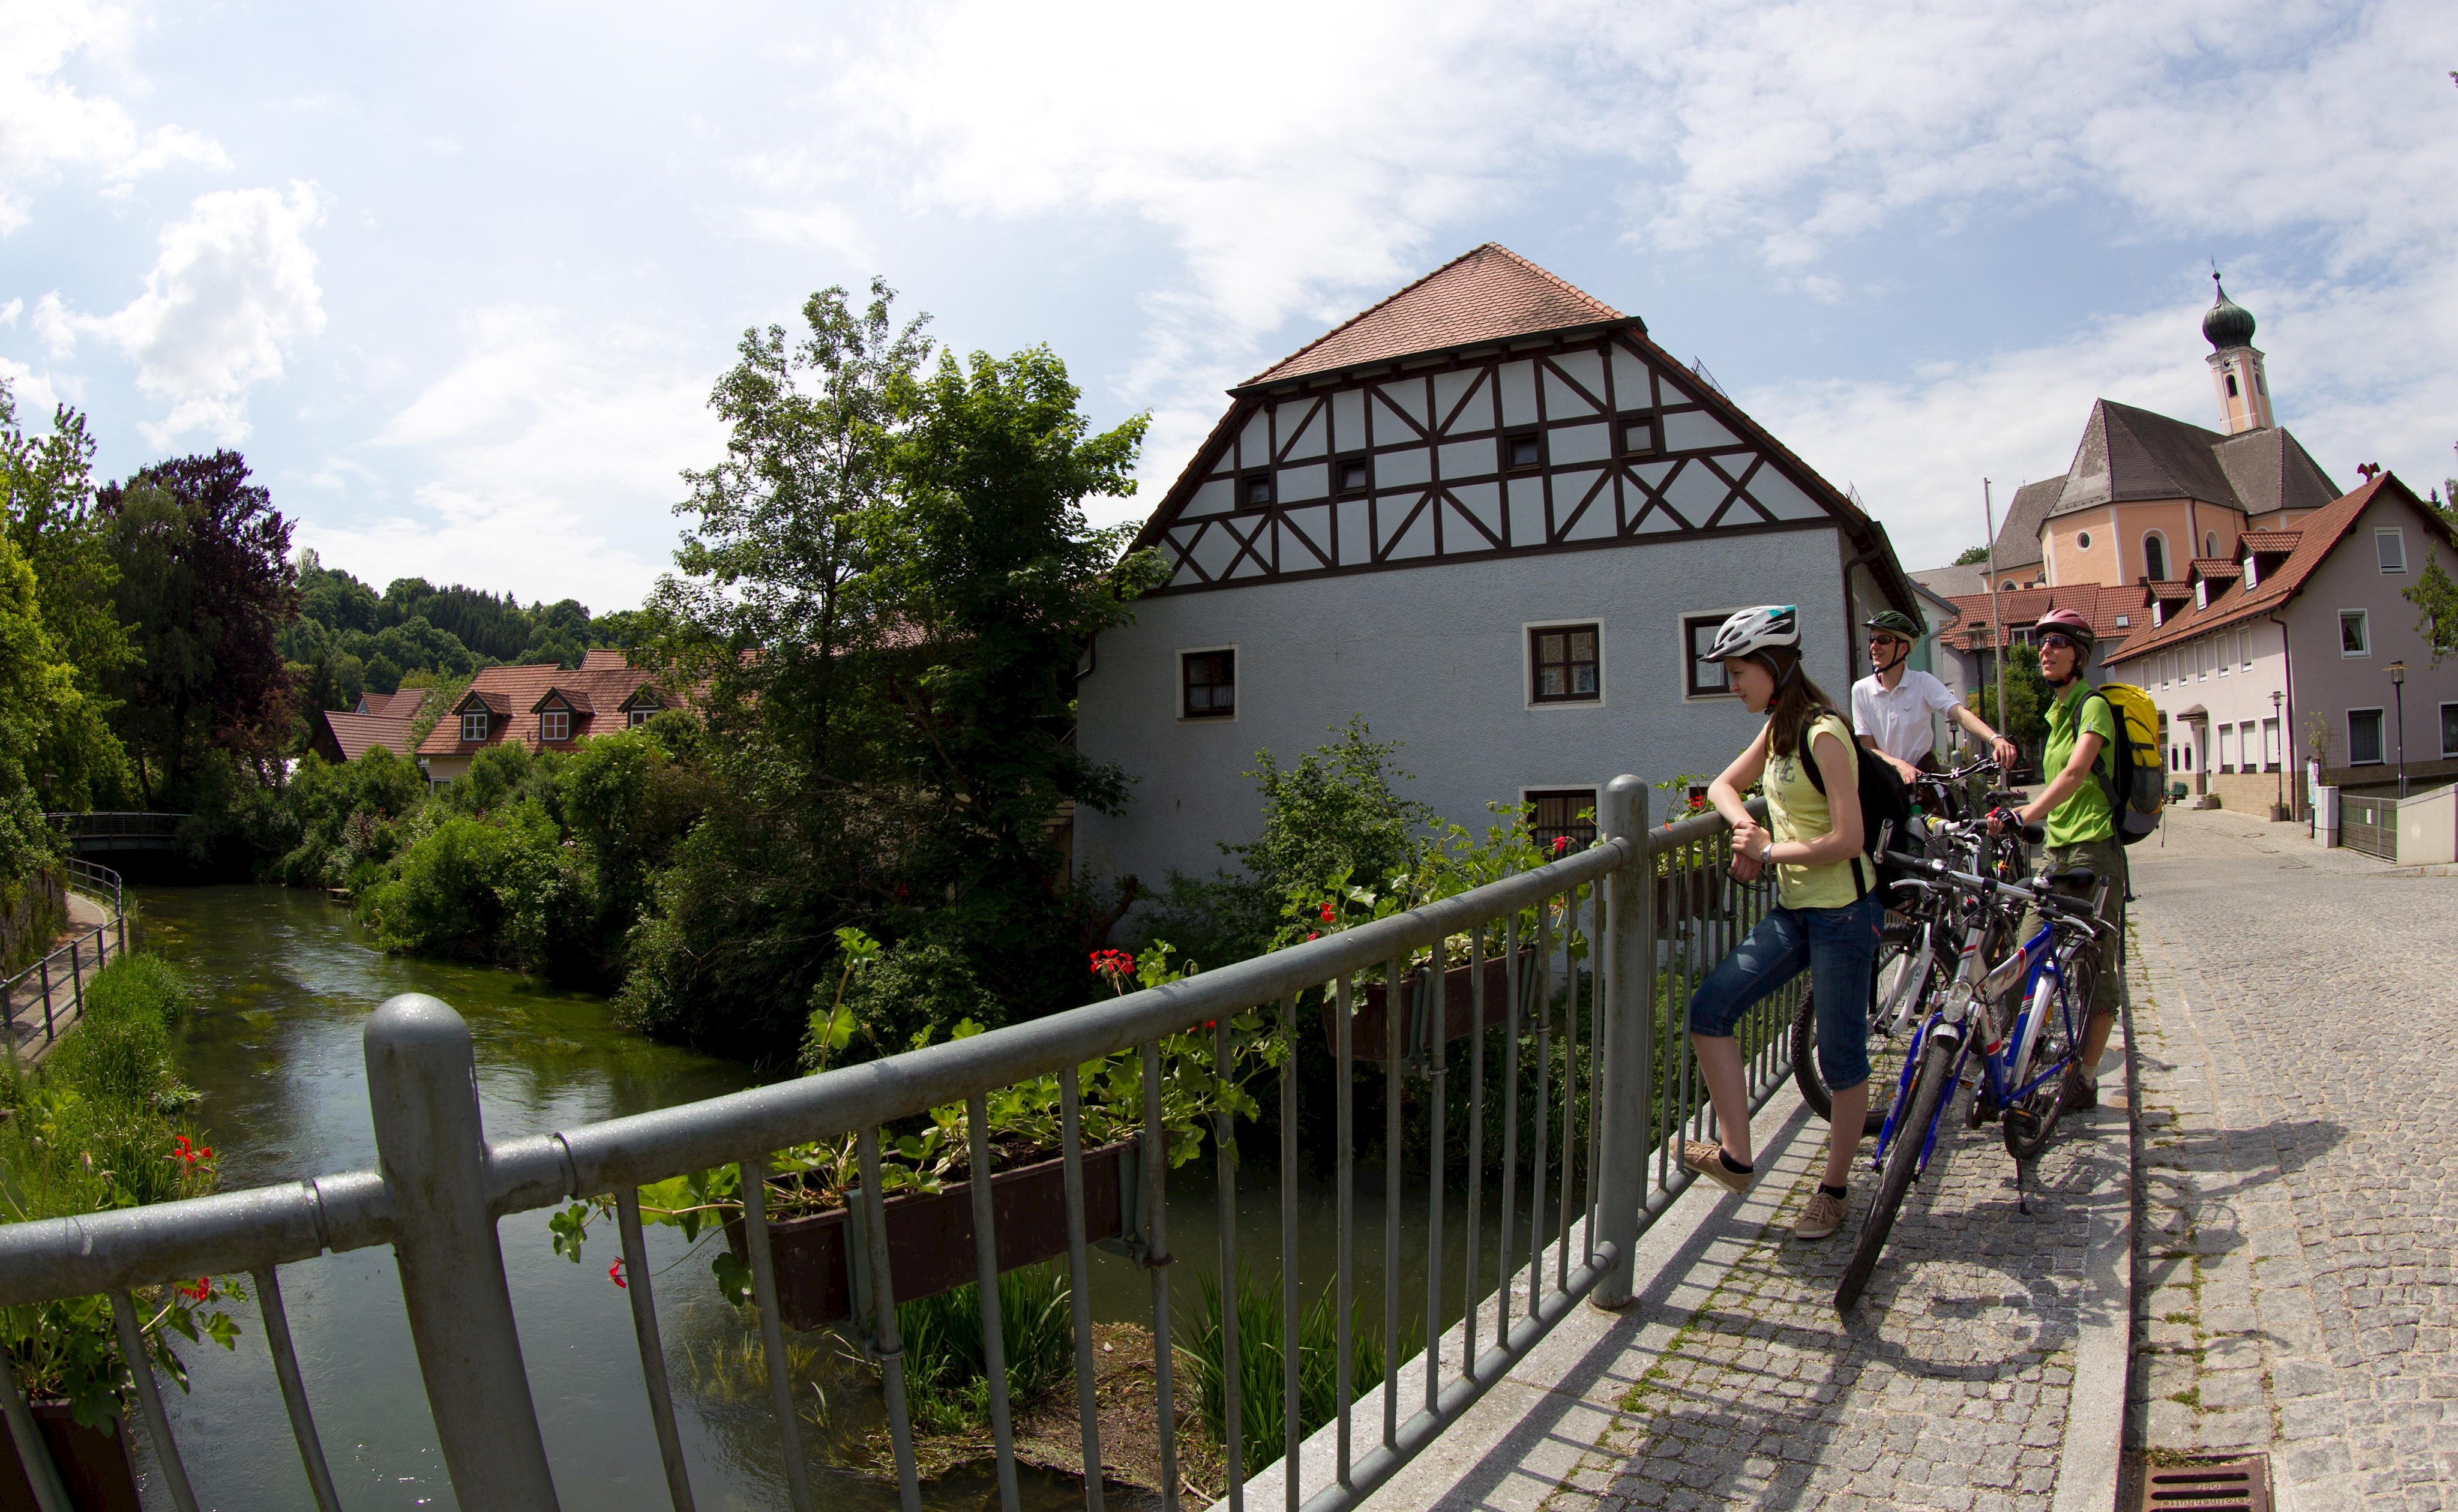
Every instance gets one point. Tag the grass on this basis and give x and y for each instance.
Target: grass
(946, 1380)
(1262, 1415)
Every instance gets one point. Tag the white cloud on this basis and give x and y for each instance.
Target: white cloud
(36, 395)
(9, 312)
(550, 445)
(232, 290)
(48, 127)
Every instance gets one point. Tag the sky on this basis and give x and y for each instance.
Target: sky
(457, 279)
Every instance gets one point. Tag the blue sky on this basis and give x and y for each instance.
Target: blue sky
(458, 280)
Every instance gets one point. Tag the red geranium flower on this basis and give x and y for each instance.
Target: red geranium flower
(615, 1274)
(1326, 913)
(1561, 843)
(204, 1289)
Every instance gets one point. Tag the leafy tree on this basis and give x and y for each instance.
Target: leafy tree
(2027, 695)
(1972, 555)
(205, 587)
(2437, 596)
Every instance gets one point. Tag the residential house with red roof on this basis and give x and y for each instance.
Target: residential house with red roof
(2295, 648)
(1495, 519)
(378, 719)
(546, 706)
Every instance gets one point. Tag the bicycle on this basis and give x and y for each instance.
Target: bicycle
(1911, 962)
(2022, 1063)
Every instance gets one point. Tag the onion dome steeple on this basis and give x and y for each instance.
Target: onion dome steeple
(2226, 324)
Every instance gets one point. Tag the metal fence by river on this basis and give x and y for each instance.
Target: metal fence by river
(1648, 905)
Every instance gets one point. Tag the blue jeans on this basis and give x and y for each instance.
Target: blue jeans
(1838, 946)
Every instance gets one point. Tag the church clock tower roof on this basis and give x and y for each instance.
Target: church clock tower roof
(2226, 324)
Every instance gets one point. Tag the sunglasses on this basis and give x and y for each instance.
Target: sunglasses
(2057, 643)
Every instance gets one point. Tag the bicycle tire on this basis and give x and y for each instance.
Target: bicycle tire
(1896, 946)
(1903, 1163)
(2045, 1104)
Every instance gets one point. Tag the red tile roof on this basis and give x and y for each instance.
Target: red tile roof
(399, 705)
(2218, 567)
(605, 676)
(2023, 606)
(2271, 540)
(355, 734)
(2318, 534)
(1487, 295)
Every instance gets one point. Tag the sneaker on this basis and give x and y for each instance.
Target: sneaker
(2080, 1090)
(1823, 1215)
(1708, 1160)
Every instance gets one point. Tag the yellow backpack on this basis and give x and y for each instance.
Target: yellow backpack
(2134, 772)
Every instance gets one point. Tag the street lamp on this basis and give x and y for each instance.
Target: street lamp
(2278, 804)
(2398, 690)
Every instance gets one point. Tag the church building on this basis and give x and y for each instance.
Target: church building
(1495, 519)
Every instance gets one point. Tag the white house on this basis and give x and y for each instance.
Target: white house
(2296, 638)
(1493, 518)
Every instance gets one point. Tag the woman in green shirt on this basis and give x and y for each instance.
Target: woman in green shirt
(2081, 829)
(1828, 910)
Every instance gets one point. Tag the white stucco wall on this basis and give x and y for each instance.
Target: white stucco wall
(1435, 657)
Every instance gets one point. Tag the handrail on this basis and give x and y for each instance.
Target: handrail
(104, 886)
(439, 1188)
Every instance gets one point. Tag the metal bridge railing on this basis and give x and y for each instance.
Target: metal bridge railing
(64, 968)
(1651, 907)
(117, 824)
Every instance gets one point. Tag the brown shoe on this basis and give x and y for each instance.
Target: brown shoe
(2080, 1090)
(1823, 1215)
(1708, 1160)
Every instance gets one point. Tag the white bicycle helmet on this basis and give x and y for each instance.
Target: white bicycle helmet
(1766, 628)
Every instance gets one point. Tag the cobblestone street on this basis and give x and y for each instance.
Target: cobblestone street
(2294, 1285)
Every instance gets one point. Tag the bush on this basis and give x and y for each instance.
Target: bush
(121, 1047)
(1260, 1365)
(946, 1380)
(441, 898)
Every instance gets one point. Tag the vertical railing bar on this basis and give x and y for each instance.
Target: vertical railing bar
(978, 1137)
(1345, 1054)
(294, 1389)
(888, 1344)
(1156, 1258)
(76, 980)
(1436, 1053)
(33, 1454)
(1476, 1143)
(1233, 1383)
(1544, 1081)
(1569, 1079)
(638, 1285)
(47, 1031)
(1290, 1437)
(1598, 1080)
(1395, 1002)
(753, 1179)
(1504, 1267)
(1079, 1281)
(149, 1397)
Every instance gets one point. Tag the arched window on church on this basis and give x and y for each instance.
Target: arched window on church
(2155, 556)
(2231, 378)
(2210, 543)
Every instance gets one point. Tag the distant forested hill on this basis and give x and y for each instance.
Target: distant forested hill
(347, 639)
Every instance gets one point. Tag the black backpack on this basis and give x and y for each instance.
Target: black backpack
(1885, 806)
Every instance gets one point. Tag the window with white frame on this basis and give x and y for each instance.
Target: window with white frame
(2244, 648)
(1208, 684)
(473, 725)
(2223, 651)
(2248, 736)
(1701, 677)
(2390, 544)
(2355, 634)
(1562, 813)
(2155, 556)
(2364, 738)
(2227, 748)
(555, 724)
(638, 715)
(2448, 730)
(2270, 745)
(1563, 664)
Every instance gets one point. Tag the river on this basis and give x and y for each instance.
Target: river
(284, 981)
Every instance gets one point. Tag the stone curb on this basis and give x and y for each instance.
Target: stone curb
(2093, 1456)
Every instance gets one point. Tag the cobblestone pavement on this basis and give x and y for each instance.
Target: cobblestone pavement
(2300, 1191)
(1947, 1387)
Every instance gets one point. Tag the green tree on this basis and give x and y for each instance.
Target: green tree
(2028, 696)
(2437, 597)
(1972, 555)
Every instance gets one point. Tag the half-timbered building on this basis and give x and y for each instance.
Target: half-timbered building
(1492, 517)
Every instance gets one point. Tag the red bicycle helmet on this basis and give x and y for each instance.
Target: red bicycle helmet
(2069, 624)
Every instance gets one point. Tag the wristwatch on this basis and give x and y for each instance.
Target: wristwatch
(1766, 854)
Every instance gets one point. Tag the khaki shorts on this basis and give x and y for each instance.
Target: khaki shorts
(2107, 858)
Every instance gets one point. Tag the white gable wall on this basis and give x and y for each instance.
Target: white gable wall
(1435, 657)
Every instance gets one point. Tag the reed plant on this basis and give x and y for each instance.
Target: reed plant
(1261, 1414)
(946, 1380)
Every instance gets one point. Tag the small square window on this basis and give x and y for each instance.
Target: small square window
(634, 718)
(1563, 659)
(1208, 680)
(1639, 438)
(2355, 636)
(1254, 489)
(2363, 736)
(1352, 476)
(1703, 678)
(2392, 543)
(555, 724)
(1523, 449)
(1562, 813)
(473, 726)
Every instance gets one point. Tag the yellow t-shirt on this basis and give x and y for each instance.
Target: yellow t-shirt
(1797, 811)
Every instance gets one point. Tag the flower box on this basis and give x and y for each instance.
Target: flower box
(92, 1462)
(1689, 893)
(822, 1259)
(1458, 1012)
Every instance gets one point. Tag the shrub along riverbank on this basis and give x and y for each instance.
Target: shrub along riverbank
(99, 1126)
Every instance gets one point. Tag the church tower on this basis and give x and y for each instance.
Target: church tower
(2236, 368)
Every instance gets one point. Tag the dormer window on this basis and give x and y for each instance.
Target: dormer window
(2251, 571)
(555, 724)
(2203, 592)
(473, 725)
(638, 715)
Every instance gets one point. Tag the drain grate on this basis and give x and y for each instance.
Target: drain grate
(2234, 1485)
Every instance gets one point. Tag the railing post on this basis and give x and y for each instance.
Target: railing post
(1629, 1038)
(423, 1090)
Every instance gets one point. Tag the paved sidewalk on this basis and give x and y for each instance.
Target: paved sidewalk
(26, 1032)
(2295, 1287)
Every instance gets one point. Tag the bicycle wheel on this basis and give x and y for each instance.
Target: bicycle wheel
(1896, 950)
(1931, 1084)
(2028, 1124)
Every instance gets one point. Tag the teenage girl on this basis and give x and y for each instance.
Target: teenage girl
(1827, 915)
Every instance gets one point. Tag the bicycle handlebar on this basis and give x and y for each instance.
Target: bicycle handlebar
(2074, 910)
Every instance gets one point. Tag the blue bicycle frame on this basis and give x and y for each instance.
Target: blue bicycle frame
(1996, 1063)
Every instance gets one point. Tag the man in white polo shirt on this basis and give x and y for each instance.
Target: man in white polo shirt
(1891, 706)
